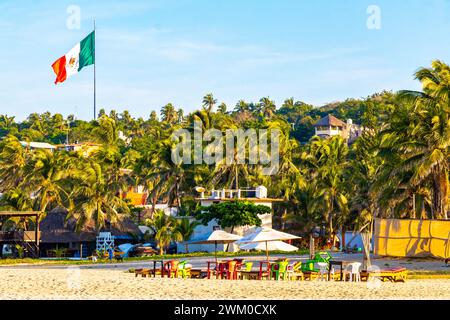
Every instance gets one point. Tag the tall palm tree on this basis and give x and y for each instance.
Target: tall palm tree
(419, 133)
(326, 159)
(222, 108)
(13, 157)
(268, 107)
(45, 176)
(169, 114)
(96, 199)
(241, 107)
(209, 102)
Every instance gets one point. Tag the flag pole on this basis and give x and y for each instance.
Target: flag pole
(95, 74)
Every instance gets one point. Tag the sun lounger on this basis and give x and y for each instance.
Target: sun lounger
(393, 274)
(144, 273)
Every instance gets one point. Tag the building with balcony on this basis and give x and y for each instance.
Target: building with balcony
(330, 126)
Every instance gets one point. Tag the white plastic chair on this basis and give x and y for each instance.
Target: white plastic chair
(355, 271)
(323, 271)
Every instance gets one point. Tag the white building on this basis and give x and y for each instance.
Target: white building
(38, 145)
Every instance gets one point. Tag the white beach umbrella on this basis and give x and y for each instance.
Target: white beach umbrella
(271, 246)
(217, 237)
(266, 235)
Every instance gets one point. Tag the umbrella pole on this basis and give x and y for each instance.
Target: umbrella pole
(215, 251)
(267, 252)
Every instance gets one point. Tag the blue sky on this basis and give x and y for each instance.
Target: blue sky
(153, 52)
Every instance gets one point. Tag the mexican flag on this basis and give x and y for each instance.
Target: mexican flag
(82, 55)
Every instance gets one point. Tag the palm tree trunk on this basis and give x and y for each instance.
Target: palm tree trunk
(187, 248)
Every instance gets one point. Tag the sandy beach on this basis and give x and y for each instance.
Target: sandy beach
(106, 284)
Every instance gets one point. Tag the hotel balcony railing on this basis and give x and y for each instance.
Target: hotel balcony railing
(231, 194)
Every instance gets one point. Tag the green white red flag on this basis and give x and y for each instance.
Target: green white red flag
(82, 55)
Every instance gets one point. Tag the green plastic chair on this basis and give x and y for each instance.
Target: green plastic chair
(280, 269)
(248, 266)
(310, 265)
(182, 271)
(323, 256)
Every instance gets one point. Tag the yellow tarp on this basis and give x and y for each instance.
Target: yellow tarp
(412, 238)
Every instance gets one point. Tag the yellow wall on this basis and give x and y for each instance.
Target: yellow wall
(412, 238)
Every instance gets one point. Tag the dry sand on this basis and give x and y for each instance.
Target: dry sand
(116, 284)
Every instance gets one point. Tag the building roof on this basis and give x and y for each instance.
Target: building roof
(37, 145)
(330, 120)
(19, 214)
(80, 144)
(55, 228)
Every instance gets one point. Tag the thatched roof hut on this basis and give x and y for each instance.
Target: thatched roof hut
(55, 228)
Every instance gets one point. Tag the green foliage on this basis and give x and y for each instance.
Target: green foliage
(233, 214)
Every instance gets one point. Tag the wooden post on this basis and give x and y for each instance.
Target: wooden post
(36, 236)
(312, 246)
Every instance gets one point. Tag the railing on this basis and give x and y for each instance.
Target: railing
(233, 194)
(18, 236)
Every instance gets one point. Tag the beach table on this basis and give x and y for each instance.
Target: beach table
(341, 264)
(208, 270)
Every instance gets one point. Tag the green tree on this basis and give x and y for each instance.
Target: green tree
(209, 102)
(232, 214)
(185, 227)
(166, 231)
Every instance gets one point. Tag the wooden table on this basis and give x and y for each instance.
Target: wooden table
(341, 265)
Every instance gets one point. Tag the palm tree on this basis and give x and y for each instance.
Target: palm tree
(13, 157)
(241, 107)
(169, 114)
(45, 176)
(165, 228)
(106, 131)
(167, 176)
(209, 102)
(268, 107)
(326, 159)
(419, 132)
(96, 199)
(222, 108)
(186, 228)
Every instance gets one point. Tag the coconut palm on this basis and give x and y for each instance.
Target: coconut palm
(209, 102)
(96, 199)
(419, 133)
(326, 159)
(169, 114)
(45, 177)
(268, 107)
(186, 227)
(165, 229)
(13, 158)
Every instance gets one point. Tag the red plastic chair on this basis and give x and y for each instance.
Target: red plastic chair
(172, 269)
(231, 271)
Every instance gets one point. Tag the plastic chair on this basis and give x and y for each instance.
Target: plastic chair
(245, 268)
(184, 270)
(231, 271)
(280, 270)
(294, 270)
(172, 270)
(355, 273)
(323, 271)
